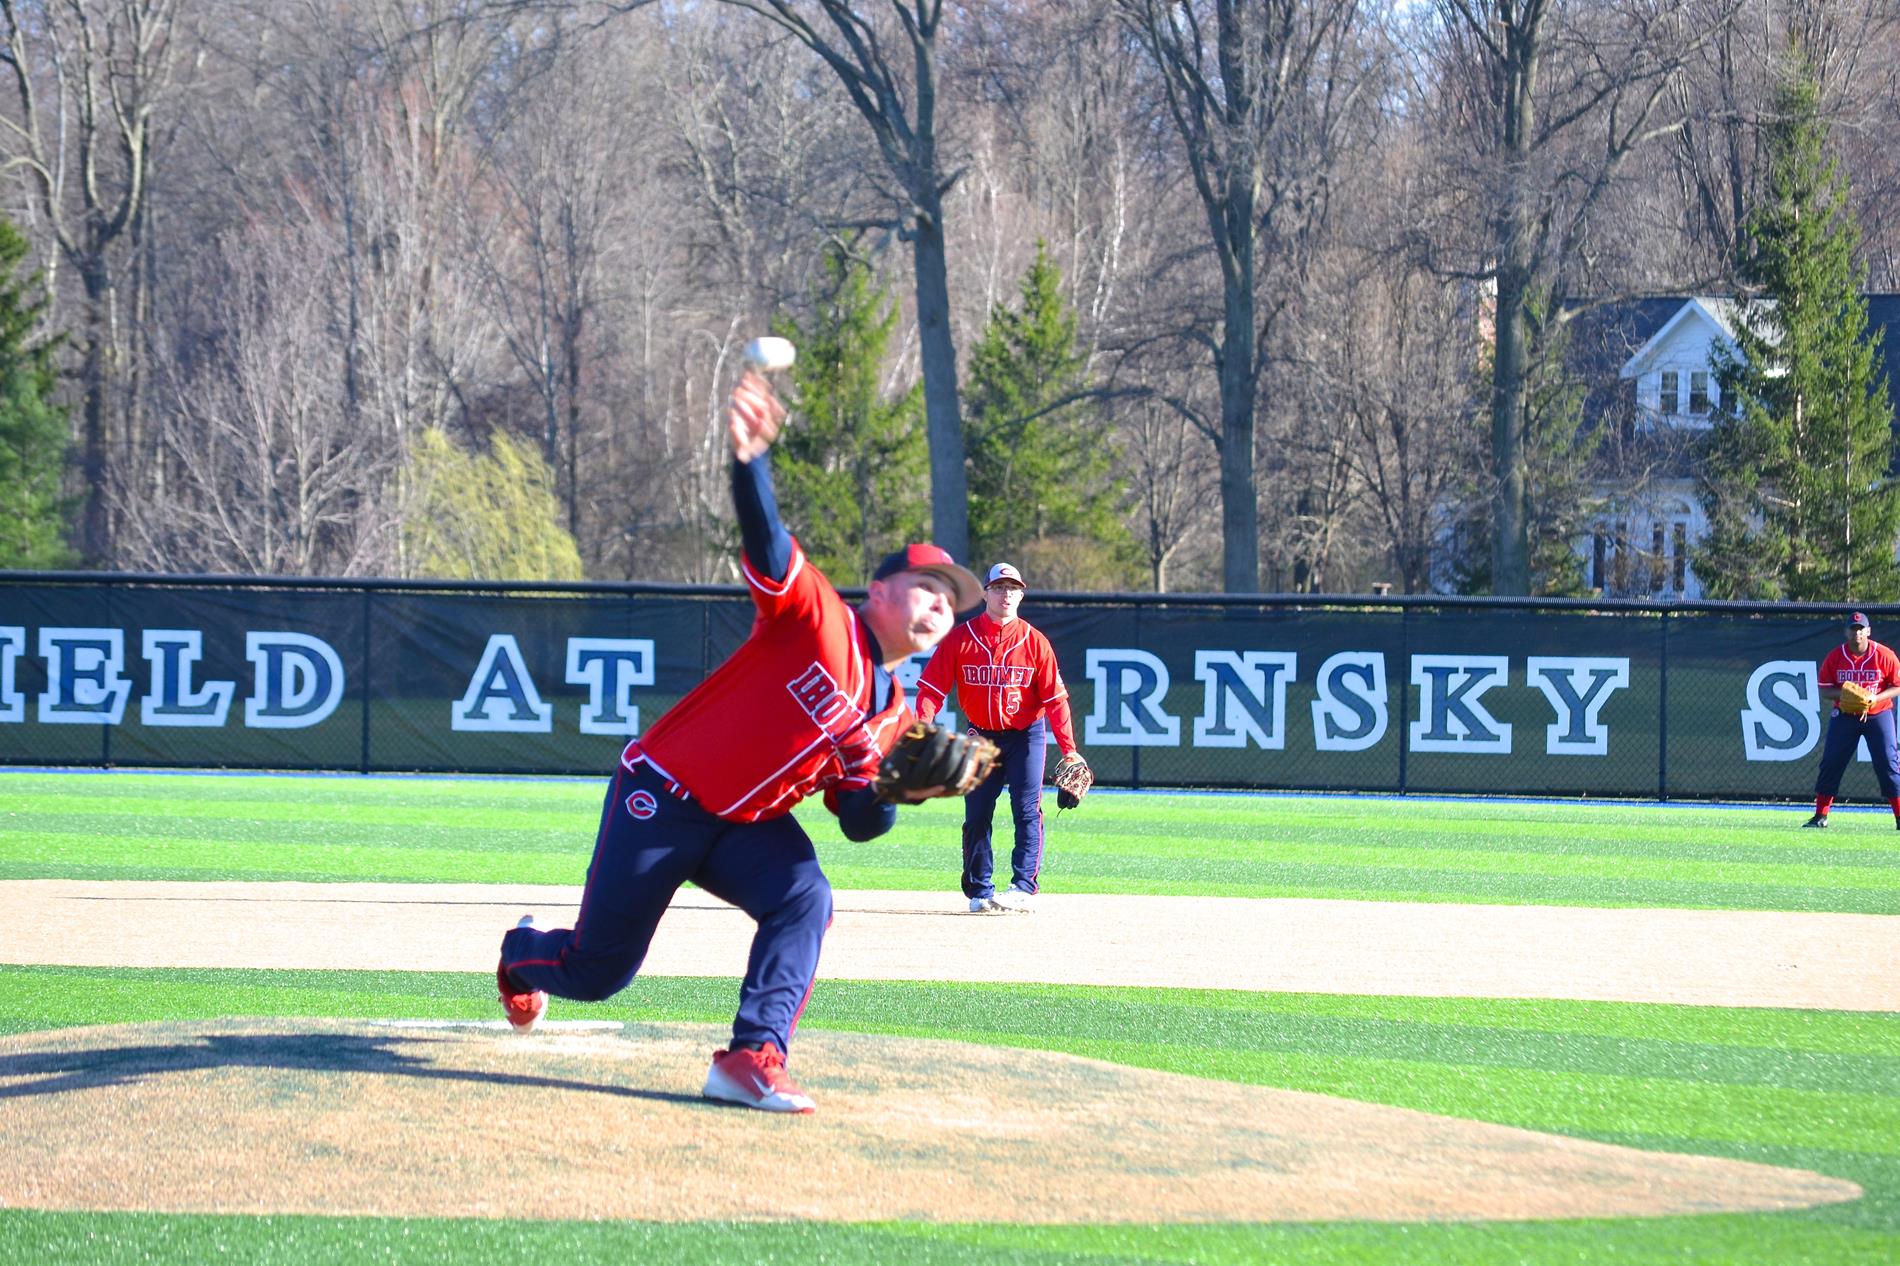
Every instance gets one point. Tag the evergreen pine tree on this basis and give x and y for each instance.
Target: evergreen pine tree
(34, 435)
(1795, 477)
(852, 468)
(1044, 492)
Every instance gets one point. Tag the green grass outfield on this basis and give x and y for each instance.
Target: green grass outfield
(1820, 1090)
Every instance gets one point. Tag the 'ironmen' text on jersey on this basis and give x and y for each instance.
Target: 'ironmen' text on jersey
(788, 715)
(1005, 678)
(1877, 669)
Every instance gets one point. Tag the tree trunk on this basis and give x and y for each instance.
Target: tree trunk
(96, 524)
(1510, 528)
(1239, 513)
(943, 412)
(1510, 518)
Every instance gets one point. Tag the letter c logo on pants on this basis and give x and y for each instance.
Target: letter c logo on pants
(642, 805)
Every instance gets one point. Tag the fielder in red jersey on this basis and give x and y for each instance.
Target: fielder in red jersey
(1862, 660)
(1004, 673)
(808, 704)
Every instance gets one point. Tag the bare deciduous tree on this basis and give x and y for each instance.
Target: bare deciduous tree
(89, 78)
(268, 474)
(1543, 103)
(1256, 91)
(899, 103)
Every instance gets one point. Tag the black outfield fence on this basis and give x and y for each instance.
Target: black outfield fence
(1437, 694)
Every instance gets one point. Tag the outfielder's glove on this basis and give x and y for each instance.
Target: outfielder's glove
(930, 760)
(1855, 699)
(1072, 778)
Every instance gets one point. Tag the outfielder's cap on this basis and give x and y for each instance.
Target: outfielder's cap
(1003, 571)
(1858, 621)
(937, 561)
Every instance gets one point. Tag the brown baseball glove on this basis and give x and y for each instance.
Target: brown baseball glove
(1855, 699)
(1072, 778)
(930, 760)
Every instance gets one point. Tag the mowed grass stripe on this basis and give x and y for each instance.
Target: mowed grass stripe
(32, 855)
(1263, 857)
(348, 791)
(80, 830)
(1632, 855)
(1212, 818)
(443, 809)
(1839, 847)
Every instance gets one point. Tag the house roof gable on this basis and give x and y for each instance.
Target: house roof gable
(1712, 311)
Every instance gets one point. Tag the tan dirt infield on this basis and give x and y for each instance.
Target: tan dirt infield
(342, 1118)
(1737, 958)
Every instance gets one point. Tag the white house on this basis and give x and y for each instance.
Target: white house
(1662, 398)
(1641, 545)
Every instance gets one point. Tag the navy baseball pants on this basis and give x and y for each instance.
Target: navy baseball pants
(651, 841)
(1844, 733)
(1024, 752)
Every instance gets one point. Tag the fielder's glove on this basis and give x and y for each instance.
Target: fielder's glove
(930, 760)
(1855, 699)
(1073, 778)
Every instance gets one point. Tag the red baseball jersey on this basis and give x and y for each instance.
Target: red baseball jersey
(1877, 670)
(787, 715)
(1005, 678)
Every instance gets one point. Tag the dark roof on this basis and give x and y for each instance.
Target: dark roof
(1883, 313)
(1603, 338)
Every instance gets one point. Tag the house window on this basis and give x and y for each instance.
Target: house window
(1671, 386)
(1681, 559)
(1597, 576)
(1699, 393)
(1656, 560)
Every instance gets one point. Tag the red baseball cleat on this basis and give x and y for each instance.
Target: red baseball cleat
(524, 1009)
(755, 1079)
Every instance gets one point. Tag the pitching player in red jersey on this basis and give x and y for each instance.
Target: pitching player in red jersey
(807, 705)
(1859, 659)
(1004, 673)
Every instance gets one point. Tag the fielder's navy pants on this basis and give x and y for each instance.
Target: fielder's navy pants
(1021, 767)
(1844, 733)
(651, 841)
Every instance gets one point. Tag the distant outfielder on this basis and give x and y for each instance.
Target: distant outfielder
(1006, 680)
(1861, 678)
(806, 705)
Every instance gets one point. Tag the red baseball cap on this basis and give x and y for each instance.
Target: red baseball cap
(937, 561)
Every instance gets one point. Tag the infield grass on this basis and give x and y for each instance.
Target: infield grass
(1818, 1090)
(421, 830)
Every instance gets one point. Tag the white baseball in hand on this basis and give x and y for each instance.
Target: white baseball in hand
(768, 354)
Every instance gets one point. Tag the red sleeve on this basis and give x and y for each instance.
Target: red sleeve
(797, 597)
(1830, 668)
(1053, 694)
(938, 679)
(1889, 668)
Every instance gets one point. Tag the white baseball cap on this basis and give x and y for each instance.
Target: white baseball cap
(1003, 571)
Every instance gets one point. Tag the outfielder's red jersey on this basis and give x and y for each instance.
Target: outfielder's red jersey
(1005, 678)
(787, 715)
(1877, 670)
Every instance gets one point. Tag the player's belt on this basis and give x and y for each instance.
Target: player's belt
(633, 758)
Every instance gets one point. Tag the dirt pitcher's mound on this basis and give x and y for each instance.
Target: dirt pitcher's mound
(359, 1118)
